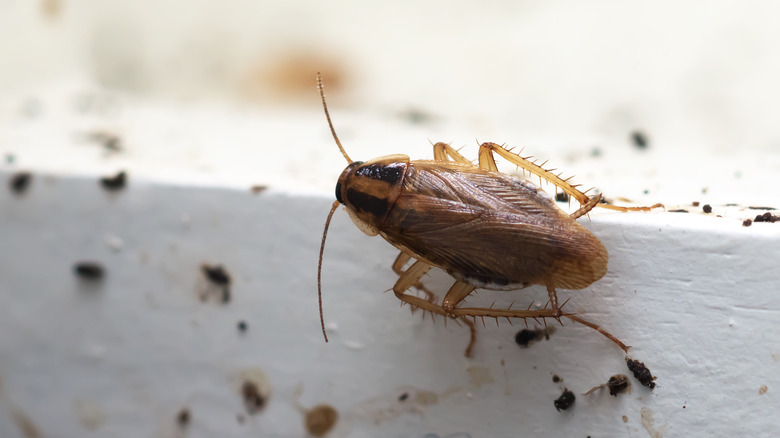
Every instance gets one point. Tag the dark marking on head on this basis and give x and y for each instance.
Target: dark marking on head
(389, 173)
(368, 203)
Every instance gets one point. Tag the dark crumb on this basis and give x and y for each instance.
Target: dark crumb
(556, 379)
(639, 139)
(562, 197)
(242, 326)
(403, 396)
(116, 182)
(183, 417)
(564, 401)
(617, 384)
(20, 181)
(707, 208)
(218, 276)
(766, 217)
(253, 400)
(258, 189)
(695, 203)
(641, 372)
(89, 270)
(320, 420)
(747, 223)
(680, 210)
(525, 337)
(762, 208)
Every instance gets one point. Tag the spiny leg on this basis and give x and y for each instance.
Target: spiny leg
(487, 161)
(398, 266)
(443, 152)
(456, 294)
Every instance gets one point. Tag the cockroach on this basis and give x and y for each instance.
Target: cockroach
(487, 229)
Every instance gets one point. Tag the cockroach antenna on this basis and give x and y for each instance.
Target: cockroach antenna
(319, 265)
(327, 115)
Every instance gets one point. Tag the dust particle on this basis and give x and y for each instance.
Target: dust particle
(320, 420)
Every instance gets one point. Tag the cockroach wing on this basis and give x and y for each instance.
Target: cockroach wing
(491, 230)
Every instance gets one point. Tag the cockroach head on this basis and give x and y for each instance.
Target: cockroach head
(369, 190)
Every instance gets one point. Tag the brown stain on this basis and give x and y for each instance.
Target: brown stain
(25, 424)
(90, 415)
(51, 9)
(479, 376)
(320, 419)
(291, 75)
(648, 423)
(762, 390)
(625, 419)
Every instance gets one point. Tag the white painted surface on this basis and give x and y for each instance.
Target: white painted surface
(694, 294)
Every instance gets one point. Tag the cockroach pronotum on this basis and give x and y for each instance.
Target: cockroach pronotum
(487, 229)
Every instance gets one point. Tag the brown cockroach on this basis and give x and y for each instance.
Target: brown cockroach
(487, 229)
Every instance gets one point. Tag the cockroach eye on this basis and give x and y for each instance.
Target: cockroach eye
(338, 193)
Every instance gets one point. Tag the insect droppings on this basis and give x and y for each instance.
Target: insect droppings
(617, 384)
(641, 372)
(747, 223)
(242, 326)
(470, 220)
(565, 401)
(89, 270)
(525, 337)
(766, 217)
(116, 182)
(183, 417)
(707, 208)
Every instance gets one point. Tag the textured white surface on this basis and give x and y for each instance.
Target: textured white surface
(694, 294)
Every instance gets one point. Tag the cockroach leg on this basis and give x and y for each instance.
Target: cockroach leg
(455, 295)
(443, 152)
(607, 334)
(487, 161)
(554, 302)
(398, 266)
(473, 329)
(587, 207)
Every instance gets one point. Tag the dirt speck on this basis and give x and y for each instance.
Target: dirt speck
(91, 271)
(255, 390)
(562, 197)
(184, 417)
(766, 217)
(403, 397)
(641, 372)
(242, 326)
(762, 390)
(257, 189)
(556, 378)
(707, 208)
(679, 210)
(219, 277)
(320, 419)
(114, 183)
(526, 337)
(565, 401)
(625, 419)
(20, 182)
(695, 203)
(639, 139)
(747, 223)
